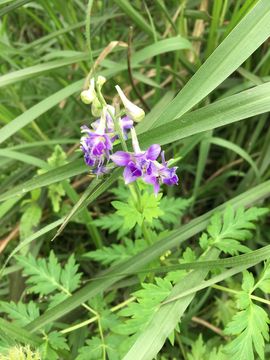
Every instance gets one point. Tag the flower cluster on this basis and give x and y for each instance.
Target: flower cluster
(97, 143)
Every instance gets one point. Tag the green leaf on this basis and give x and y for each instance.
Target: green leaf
(228, 229)
(141, 311)
(19, 334)
(132, 215)
(57, 341)
(264, 281)
(117, 252)
(73, 168)
(92, 351)
(222, 112)
(251, 328)
(21, 313)
(70, 278)
(111, 223)
(198, 350)
(44, 277)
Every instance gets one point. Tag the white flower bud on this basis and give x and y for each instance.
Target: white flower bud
(132, 110)
(88, 96)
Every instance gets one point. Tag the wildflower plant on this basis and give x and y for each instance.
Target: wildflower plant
(97, 143)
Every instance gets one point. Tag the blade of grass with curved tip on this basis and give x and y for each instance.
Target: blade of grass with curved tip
(228, 56)
(175, 238)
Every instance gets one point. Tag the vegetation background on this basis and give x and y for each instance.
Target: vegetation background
(172, 279)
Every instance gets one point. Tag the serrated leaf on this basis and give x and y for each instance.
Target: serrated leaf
(112, 222)
(228, 229)
(140, 312)
(173, 209)
(57, 341)
(21, 313)
(44, 277)
(198, 350)
(251, 328)
(117, 252)
(70, 278)
(94, 348)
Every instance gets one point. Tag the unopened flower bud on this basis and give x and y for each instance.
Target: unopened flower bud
(88, 96)
(132, 110)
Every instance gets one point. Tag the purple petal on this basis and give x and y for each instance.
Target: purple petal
(131, 173)
(153, 180)
(153, 152)
(121, 158)
(126, 122)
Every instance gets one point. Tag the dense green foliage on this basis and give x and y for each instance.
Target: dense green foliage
(131, 275)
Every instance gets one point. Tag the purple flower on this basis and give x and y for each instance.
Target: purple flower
(136, 164)
(96, 146)
(144, 164)
(161, 174)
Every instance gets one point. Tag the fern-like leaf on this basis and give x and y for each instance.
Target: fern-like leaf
(226, 231)
(45, 277)
(22, 314)
(117, 252)
(251, 328)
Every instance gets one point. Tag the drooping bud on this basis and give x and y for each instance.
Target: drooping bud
(132, 110)
(88, 96)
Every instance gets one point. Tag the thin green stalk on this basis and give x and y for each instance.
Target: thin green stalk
(88, 31)
(253, 297)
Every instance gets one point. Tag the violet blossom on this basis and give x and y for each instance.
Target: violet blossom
(144, 164)
(96, 146)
